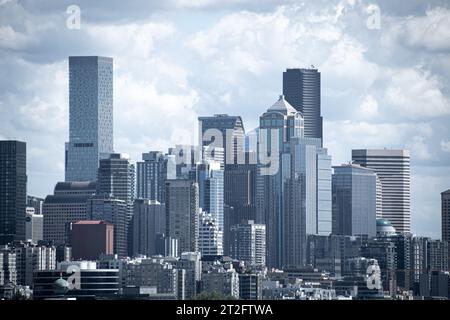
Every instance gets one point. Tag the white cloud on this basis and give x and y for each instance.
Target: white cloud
(415, 93)
(445, 146)
(430, 31)
(342, 136)
(369, 107)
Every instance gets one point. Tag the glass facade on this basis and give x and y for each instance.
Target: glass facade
(90, 116)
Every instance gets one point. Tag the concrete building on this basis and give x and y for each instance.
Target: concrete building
(31, 258)
(13, 190)
(154, 272)
(182, 213)
(152, 174)
(90, 116)
(68, 204)
(34, 226)
(210, 237)
(250, 286)
(221, 280)
(91, 238)
(354, 191)
(8, 270)
(248, 243)
(393, 170)
(36, 203)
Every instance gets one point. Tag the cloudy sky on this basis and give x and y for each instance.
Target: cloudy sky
(383, 85)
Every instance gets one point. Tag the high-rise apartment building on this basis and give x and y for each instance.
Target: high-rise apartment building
(152, 174)
(445, 215)
(182, 213)
(248, 243)
(393, 170)
(210, 236)
(34, 226)
(13, 190)
(90, 116)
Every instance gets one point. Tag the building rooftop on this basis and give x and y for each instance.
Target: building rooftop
(282, 105)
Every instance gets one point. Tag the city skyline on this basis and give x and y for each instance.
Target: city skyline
(172, 88)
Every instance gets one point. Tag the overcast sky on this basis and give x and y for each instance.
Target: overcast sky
(383, 85)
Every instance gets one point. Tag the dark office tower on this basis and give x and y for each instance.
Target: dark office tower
(152, 174)
(445, 202)
(445, 211)
(393, 170)
(13, 190)
(90, 116)
(115, 179)
(182, 213)
(114, 211)
(149, 221)
(301, 88)
(240, 194)
(231, 132)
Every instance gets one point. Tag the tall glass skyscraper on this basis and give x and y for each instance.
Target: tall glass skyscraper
(13, 190)
(393, 170)
(301, 88)
(90, 116)
(354, 200)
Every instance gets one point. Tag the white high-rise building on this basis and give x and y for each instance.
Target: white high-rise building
(210, 237)
(393, 170)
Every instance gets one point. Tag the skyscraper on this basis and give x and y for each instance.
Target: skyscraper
(149, 221)
(210, 242)
(115, 179)
(301, 88)
(278, 125)
(354, 191)
(445, 212)
(248, 243)
(13, 190)
(34, 226)
(152, 174)
(393, 170)
(90, 116)
(210, 183)
(68, 204)
(115, 211)
(182, 213)
(231, 132)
